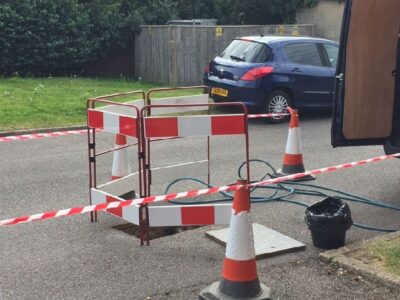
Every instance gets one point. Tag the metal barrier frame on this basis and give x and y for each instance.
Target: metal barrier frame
(139, 214)
(91, 134)
(146, 144)
(148, 114)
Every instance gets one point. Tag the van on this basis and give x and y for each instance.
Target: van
(367, 85)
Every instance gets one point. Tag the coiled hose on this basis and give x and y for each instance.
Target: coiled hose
(281, 193)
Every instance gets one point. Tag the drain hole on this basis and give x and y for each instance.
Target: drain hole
(155, 232)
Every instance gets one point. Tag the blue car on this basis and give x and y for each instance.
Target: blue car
(270, 73)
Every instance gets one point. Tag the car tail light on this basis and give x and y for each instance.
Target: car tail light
(257, 73)
(207, 68)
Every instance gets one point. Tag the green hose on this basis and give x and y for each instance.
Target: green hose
(282, 191)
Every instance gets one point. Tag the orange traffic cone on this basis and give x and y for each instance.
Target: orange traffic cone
(239, 275)
(120, 166)
(293, 159)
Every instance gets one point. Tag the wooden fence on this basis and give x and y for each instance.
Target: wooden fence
(176, 55)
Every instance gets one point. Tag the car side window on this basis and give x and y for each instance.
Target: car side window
(332, 52)
(304, 54)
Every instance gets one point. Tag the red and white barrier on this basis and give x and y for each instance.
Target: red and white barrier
(173, 215)
(185, 126)
(160, 216)
(181, 126)
(117, 203)
(112, 122)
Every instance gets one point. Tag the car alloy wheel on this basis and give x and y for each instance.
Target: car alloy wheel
(277, 103)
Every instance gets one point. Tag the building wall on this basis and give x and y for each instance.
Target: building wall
(327, 17)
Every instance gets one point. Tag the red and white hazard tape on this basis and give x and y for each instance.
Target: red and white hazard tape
(255, 116)
(34, 136)
(194, 193)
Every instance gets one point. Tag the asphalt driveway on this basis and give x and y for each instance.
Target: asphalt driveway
(71, 258)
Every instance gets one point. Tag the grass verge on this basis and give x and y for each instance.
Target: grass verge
(29, 103)
(388, 254)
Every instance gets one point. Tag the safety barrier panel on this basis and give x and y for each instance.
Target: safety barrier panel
(121, 119)
(174, 105)
(185, 126)
(189, 126)
(157, 123)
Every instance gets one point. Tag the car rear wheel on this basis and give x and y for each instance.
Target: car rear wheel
(277, 103)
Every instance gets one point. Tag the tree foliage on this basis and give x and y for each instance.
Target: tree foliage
(43, 34)
(44, 37)
(243, 12)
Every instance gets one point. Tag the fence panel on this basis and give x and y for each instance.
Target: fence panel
(176, 55)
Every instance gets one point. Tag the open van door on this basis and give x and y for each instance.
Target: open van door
(367, 97)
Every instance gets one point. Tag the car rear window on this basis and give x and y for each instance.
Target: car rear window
(247, 51)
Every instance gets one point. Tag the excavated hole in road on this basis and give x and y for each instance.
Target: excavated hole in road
(154, 232)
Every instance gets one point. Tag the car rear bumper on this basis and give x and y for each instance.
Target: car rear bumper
(247, 92)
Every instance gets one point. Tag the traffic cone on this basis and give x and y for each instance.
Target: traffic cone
(293, 159)
(120, 166)
(239, 274)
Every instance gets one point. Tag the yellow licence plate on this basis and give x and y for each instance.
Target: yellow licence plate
(219, 92)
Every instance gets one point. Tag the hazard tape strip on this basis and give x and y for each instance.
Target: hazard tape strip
(34, 136)
(255, 116)
(188, 194)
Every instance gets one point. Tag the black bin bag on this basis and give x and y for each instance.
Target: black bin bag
(328, 221)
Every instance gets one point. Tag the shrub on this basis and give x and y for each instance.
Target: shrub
(44, 36)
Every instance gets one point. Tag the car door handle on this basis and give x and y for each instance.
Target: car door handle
(297, 70)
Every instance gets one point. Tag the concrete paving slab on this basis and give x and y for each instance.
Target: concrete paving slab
(267, 242)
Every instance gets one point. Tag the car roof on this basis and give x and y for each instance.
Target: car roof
(269, 39)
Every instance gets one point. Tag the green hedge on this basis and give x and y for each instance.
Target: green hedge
(44, 36)
(60, 37)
